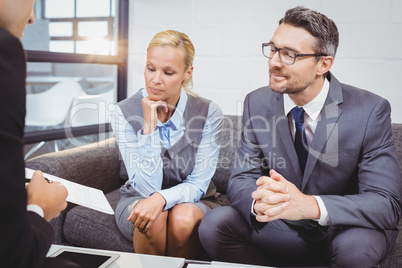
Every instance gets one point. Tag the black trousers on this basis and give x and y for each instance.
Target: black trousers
(227, 236)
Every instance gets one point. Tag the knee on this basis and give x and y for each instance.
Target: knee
(216, 221)
(357, 256)
(359, 250)
(183, 222)
(157, 231)
(154, 233)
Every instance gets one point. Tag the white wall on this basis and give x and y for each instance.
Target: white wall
(227, 35)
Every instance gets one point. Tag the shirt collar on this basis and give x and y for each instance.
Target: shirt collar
(312, 108)
(177, 118)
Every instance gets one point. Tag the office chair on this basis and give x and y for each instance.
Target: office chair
(90, 109)
(48, 109)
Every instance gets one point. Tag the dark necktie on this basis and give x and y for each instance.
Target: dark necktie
(300, 136)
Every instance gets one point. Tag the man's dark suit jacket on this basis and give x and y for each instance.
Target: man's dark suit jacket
(352, 162)
(25, 237)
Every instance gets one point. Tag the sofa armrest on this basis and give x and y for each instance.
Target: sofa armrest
(96, 165)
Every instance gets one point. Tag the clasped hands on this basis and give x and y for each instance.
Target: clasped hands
(276, 198)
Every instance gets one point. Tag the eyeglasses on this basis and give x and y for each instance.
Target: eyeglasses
(287, 56)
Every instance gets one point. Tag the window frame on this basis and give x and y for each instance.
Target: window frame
(120, 60)
(75, 21)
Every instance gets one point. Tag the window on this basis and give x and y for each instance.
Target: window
(77, 26)
(77, 63)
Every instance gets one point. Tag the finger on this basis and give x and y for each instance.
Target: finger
(260, 208)
(161, 104)
(59, 187)
(274, 199)
(134, 219)
(146, 102)
(269, 183)
(134, 225)
(132, 206)
(151, 106)
(263, 218)
(141, 224)
(276, 210)
(274, 186)
(147, 227)
(258, 194)
(262, 180)
(142, 227)
(37, 177)
(154, 104)
(267, 218)
(60, 191)
(269, 210)
(261, 193)
(276, 176)
(136, 222)
(266, 192)
(37, 174)
(130, 217)
(165, 106)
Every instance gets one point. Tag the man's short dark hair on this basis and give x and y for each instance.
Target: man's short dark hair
(318, 25)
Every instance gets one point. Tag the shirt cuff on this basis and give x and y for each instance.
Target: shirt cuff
(324, 218)
(37, 209)
(252, 209)
(170, 197)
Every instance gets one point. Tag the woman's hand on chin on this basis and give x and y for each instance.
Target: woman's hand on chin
(150, 109)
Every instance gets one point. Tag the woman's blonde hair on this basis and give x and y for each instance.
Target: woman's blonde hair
(181, 41)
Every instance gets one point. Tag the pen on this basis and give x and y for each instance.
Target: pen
(27, 180)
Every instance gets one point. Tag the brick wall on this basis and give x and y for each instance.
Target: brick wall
(227, 35)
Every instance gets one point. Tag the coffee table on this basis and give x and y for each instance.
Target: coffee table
(127, 259)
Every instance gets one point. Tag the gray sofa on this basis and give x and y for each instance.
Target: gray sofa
(97, 165)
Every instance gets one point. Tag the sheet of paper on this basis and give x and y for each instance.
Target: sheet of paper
(80, 194)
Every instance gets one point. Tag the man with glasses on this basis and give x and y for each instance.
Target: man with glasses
(315, 179)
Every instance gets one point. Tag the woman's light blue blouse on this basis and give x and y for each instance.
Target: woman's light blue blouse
(142, 153)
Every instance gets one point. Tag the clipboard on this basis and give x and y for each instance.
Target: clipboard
(80, 194)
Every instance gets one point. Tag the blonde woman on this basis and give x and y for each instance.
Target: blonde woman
(169, 139)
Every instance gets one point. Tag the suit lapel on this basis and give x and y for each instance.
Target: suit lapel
(327, 127)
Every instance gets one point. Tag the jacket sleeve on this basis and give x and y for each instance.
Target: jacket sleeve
(25, 236)
(377, 204)
(247, 168)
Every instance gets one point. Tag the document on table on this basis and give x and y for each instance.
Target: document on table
(80, 194)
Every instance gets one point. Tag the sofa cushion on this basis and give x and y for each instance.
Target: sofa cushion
(90, 228)
(231, 131)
